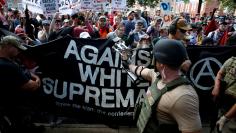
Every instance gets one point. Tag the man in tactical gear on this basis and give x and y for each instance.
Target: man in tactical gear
(171, 104)
(227, 74)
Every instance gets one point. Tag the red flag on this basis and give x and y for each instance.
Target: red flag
(224, 38)
(211, 27)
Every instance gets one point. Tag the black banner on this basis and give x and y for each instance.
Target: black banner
(83, 78)
(206, 62)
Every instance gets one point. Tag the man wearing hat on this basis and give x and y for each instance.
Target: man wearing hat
(177, 31)
(129, 24)
(14, 80)
(66, 23)
(103, 28)
(218, 34)
(154, 29)
(138, 17)
(44, 33)
(158, 12)
(171, 104)
(136, 34)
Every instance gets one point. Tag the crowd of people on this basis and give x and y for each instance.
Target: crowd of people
(168, 35)
(132, 26)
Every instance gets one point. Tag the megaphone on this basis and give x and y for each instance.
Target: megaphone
(120, 47)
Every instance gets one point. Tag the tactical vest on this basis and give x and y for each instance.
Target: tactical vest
(147, 120)
(230, 78)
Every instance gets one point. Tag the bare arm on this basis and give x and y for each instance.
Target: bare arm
(216, 90)
(53, 22)
(33, 84)
(232, 112)
(137, 70)
(186, 65)
(141, 71)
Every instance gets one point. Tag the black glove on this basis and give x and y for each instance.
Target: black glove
(126, 63)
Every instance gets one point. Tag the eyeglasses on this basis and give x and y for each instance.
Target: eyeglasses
(182, 31)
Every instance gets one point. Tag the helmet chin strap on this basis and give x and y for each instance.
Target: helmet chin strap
(163, 75)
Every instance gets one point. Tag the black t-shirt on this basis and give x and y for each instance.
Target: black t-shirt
(12, 78)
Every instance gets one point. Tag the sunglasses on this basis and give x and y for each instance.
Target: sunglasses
(46, 24)
(182, 31)
(58, 21)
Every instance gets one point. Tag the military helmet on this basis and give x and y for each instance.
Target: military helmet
(170, 52)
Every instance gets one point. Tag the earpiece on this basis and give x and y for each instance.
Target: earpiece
(173, 26)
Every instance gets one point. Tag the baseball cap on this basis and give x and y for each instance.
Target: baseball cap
(45, 22)
(158, 9)
(84, 35)
(139, 21)
(183, 24)
(11, 40)
(223, 23)
(66, 20)
(112, 36)
(158, 18)
(129, 12)
(102, 17)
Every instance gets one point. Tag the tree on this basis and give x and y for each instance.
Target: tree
(130, 3)
(151, 3)
(230, 4)
(199, 6)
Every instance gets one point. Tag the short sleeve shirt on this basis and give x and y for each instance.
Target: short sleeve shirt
(179, 106)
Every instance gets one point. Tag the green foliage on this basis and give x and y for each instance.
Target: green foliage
(230, 4)
(130, 3)
(186, 1)
(151, 3)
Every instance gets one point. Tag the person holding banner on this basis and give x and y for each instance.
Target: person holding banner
(225, 87)
(171, 104)
(15, 81)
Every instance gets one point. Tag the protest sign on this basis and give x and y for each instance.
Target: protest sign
(118, 5)
(33, 6)
(49, 6)
(84, 78)
(86, 4)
